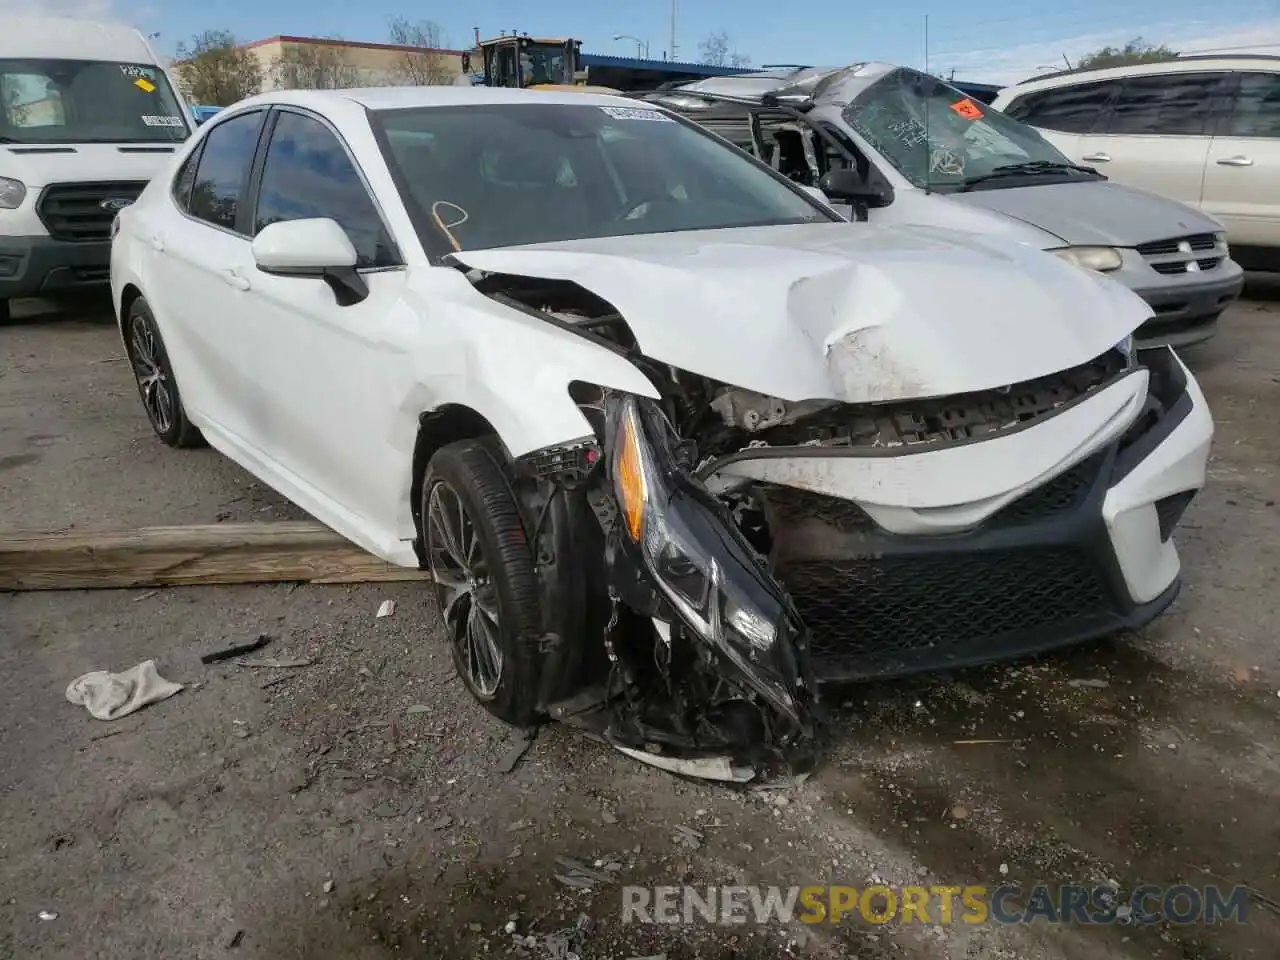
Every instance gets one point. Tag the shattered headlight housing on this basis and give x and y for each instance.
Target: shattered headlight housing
(1099, 259)
(698, 560)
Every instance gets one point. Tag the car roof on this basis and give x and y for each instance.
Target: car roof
(400, 98)
(1194, 64)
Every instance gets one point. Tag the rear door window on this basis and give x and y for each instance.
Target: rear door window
(1068, 109)
(223, 170)
(308, 174)
(1256, 111)
(1170, 104)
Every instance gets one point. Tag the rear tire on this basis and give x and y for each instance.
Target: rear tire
(5, 315)
(483, 576)
(157, 385)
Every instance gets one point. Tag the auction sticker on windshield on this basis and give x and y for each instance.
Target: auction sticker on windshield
(631, 113)
(145, 85)
(153, 121)
(967, 109)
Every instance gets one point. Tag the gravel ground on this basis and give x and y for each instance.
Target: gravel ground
(358, 808)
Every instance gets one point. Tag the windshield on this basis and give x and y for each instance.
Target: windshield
(937, 136)
(506, 174)
(87, 101)
(540, 63)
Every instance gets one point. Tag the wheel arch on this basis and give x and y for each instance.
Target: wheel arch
(130, 293)
(446, 424)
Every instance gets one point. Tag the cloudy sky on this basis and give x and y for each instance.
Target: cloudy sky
(992, 40)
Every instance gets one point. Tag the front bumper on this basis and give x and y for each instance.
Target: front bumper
(1187, 313)
(39, 266)
(1082, 552)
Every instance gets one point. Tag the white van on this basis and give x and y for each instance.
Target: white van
(87, 117)
(1203, 130)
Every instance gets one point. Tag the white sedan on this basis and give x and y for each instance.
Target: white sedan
(676, 442)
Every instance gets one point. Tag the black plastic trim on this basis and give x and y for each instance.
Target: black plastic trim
(796, 453)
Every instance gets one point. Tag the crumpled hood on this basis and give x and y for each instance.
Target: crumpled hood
(842, 311)
(1097, 212)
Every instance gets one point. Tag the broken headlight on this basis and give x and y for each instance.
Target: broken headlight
(698, 560)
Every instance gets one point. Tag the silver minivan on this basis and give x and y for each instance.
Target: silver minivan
(894, 145)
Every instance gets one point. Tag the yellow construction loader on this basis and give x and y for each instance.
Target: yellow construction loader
(535, 63)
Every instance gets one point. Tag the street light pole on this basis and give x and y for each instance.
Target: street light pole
(640, 44)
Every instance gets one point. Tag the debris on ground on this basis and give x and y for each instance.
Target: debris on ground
(520, 743)
(687, 837)
(238, 650)
(48, 915)
(575, 873)
(386, 609)
(110, 696)
(270, 663)
(1099, 684)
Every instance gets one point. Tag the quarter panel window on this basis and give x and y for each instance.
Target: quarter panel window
(1256, 111)
(1067, 110)
(223, 169)
(186, 177)
(1176, 104)
(307, 174)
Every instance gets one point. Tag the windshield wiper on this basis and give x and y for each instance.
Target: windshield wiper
(1030, 168)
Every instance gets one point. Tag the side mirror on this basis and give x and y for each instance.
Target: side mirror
(317, 248)
(847, 186)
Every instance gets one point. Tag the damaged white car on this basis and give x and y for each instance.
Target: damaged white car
(677, 443)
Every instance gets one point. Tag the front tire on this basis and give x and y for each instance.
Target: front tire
(482, 571)
(157, 385)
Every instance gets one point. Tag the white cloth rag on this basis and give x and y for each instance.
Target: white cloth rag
(110, 696)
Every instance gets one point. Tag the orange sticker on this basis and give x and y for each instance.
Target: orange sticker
(967, 109)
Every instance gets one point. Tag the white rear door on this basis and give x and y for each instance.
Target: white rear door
(191, 287)
(1242, 180)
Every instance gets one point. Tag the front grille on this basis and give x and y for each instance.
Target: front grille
(896, 614)
(790, 506)
(75, 212)
(1186, 266)
(1199, 241)
(1178, 254)
(1060, 495)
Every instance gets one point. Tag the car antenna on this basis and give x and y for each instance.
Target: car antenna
(928, 145)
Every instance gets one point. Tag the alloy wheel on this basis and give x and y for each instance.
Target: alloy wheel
(465, 590)
(153, 383)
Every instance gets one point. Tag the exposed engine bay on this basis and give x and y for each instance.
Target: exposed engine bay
(704, 663)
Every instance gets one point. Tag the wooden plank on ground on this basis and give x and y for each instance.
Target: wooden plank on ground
(222, 553)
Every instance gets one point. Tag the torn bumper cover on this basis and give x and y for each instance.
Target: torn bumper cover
(775, 568)
(730, 654)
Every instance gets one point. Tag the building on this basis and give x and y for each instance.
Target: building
(349, 63)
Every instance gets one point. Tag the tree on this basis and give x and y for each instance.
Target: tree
(717, 51)
(424, 66)
(215, 71)
(1135, 51)
(314, 66)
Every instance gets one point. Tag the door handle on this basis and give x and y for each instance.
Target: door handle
(1097, 157)
(1236, 161)
(236, 279)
